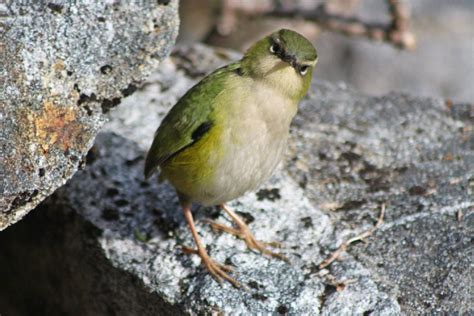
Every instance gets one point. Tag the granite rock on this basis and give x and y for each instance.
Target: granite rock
(63, 65)
(109, 241)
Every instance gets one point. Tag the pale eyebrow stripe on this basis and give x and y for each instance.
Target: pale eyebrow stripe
(309, 63)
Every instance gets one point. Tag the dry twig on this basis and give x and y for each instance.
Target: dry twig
(345, 244)
(396, 32)
(339, 285)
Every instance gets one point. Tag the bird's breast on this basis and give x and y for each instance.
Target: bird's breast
(254, 134)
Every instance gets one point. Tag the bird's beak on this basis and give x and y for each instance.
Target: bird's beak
(290, 59)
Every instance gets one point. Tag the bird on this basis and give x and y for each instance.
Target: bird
(228, 133)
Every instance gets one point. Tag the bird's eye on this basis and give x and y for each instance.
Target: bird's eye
(303, 70)
(275, 48)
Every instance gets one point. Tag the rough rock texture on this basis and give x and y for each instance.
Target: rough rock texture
(63, 64)
(108, 241)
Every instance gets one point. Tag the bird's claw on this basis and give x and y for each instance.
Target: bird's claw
(221, 227)
(244, 233)
(252, 243)
(273, 244)
(188, 250)
(217, 270)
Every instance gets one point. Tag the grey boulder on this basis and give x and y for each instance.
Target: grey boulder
(63, 65)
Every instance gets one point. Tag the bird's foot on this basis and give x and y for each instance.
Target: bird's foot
(217, 270)
(244, 233)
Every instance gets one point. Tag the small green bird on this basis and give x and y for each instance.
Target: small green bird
(228, 133)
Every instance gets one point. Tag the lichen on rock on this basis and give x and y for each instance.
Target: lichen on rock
(63, 65)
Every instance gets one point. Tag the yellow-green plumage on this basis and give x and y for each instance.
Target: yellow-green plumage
(227, 134)
(195, 162)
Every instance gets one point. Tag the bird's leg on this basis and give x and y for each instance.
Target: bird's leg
(244, 233)
(218, 271)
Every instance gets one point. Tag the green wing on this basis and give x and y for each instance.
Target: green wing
(188, 120)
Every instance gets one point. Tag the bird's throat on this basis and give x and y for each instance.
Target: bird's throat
(281, 77)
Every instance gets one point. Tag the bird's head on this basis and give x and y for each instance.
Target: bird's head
(285, 59)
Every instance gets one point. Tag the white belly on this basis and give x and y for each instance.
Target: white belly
(253, 144)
